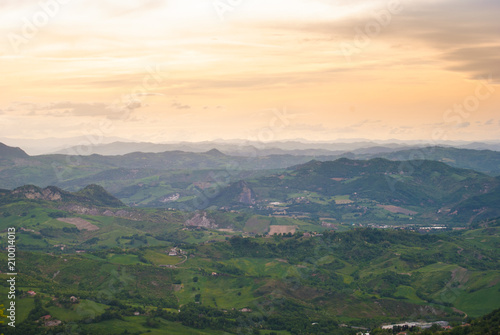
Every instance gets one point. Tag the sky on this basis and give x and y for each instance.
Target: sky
(265, 70)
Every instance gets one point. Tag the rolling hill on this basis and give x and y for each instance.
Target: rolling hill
(431, 190)
(486, 161)
(351, 190)
(93, 195)
(225, 276)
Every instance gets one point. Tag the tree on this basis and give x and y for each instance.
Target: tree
(2, 315)
(152, 323)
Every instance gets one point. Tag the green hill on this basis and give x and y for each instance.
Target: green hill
(92, 195)
(486, 161)
(99, 196)
(424, 190)
(361, 278)
(152, 179)
(115, 261)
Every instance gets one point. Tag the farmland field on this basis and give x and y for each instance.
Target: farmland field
(282, 229)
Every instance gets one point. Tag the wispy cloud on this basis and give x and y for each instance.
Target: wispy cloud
(463, 125)
(75, 109)
(267, 53)
(177, 105)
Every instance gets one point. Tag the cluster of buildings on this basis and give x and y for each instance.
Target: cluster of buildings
(176, 252)
(421, 325)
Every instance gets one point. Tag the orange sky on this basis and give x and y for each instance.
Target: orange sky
(251, 69)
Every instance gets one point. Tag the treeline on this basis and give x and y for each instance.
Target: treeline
(360, 245)
(486, 325)
(285, 315)
(363, 246)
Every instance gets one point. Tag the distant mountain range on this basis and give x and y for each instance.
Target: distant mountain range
(249, 148)
(87, 145)
(478, 156)
(429, 178)
(7, 152)
(486, 161)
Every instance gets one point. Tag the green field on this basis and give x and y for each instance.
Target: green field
(161, 258)
(134, 324)
(358, 275)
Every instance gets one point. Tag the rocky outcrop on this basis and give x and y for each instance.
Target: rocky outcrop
(90, 196)
(199, 220)
(34, 192)
(79, 209)
(83, 210)
(246, 196)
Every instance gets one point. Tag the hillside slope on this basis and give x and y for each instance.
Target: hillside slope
(93, 195)
(421, 189)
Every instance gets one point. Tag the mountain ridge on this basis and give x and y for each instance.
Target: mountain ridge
(11, 152)
(90, 195)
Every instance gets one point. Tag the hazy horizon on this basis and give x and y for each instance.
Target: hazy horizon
(87, 145)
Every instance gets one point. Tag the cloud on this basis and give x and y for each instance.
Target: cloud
(489, 122)
(133, 104)
(480, 62)
(148, 94)
(67, 108)
(462, 33)
(121, 109)
(365, 122)
(401, 130)
(319, 128)
(131, 8)
(465, 33)
(463, 125)
(308, 127)
(177, 105)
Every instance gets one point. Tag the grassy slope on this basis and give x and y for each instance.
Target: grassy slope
(450, 271)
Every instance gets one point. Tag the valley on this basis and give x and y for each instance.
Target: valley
(321, 247)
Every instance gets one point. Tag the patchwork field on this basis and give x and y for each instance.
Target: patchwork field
(257, 224)
(396, 209)
(282, 229)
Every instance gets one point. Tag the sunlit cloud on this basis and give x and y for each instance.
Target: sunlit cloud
(406, 65)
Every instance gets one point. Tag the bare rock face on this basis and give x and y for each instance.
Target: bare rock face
(121, 213)
(80, 209)
(33, 192)
(90, 210)
(51, 195)
(246, 195)
(170, 198)
(200, 221)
